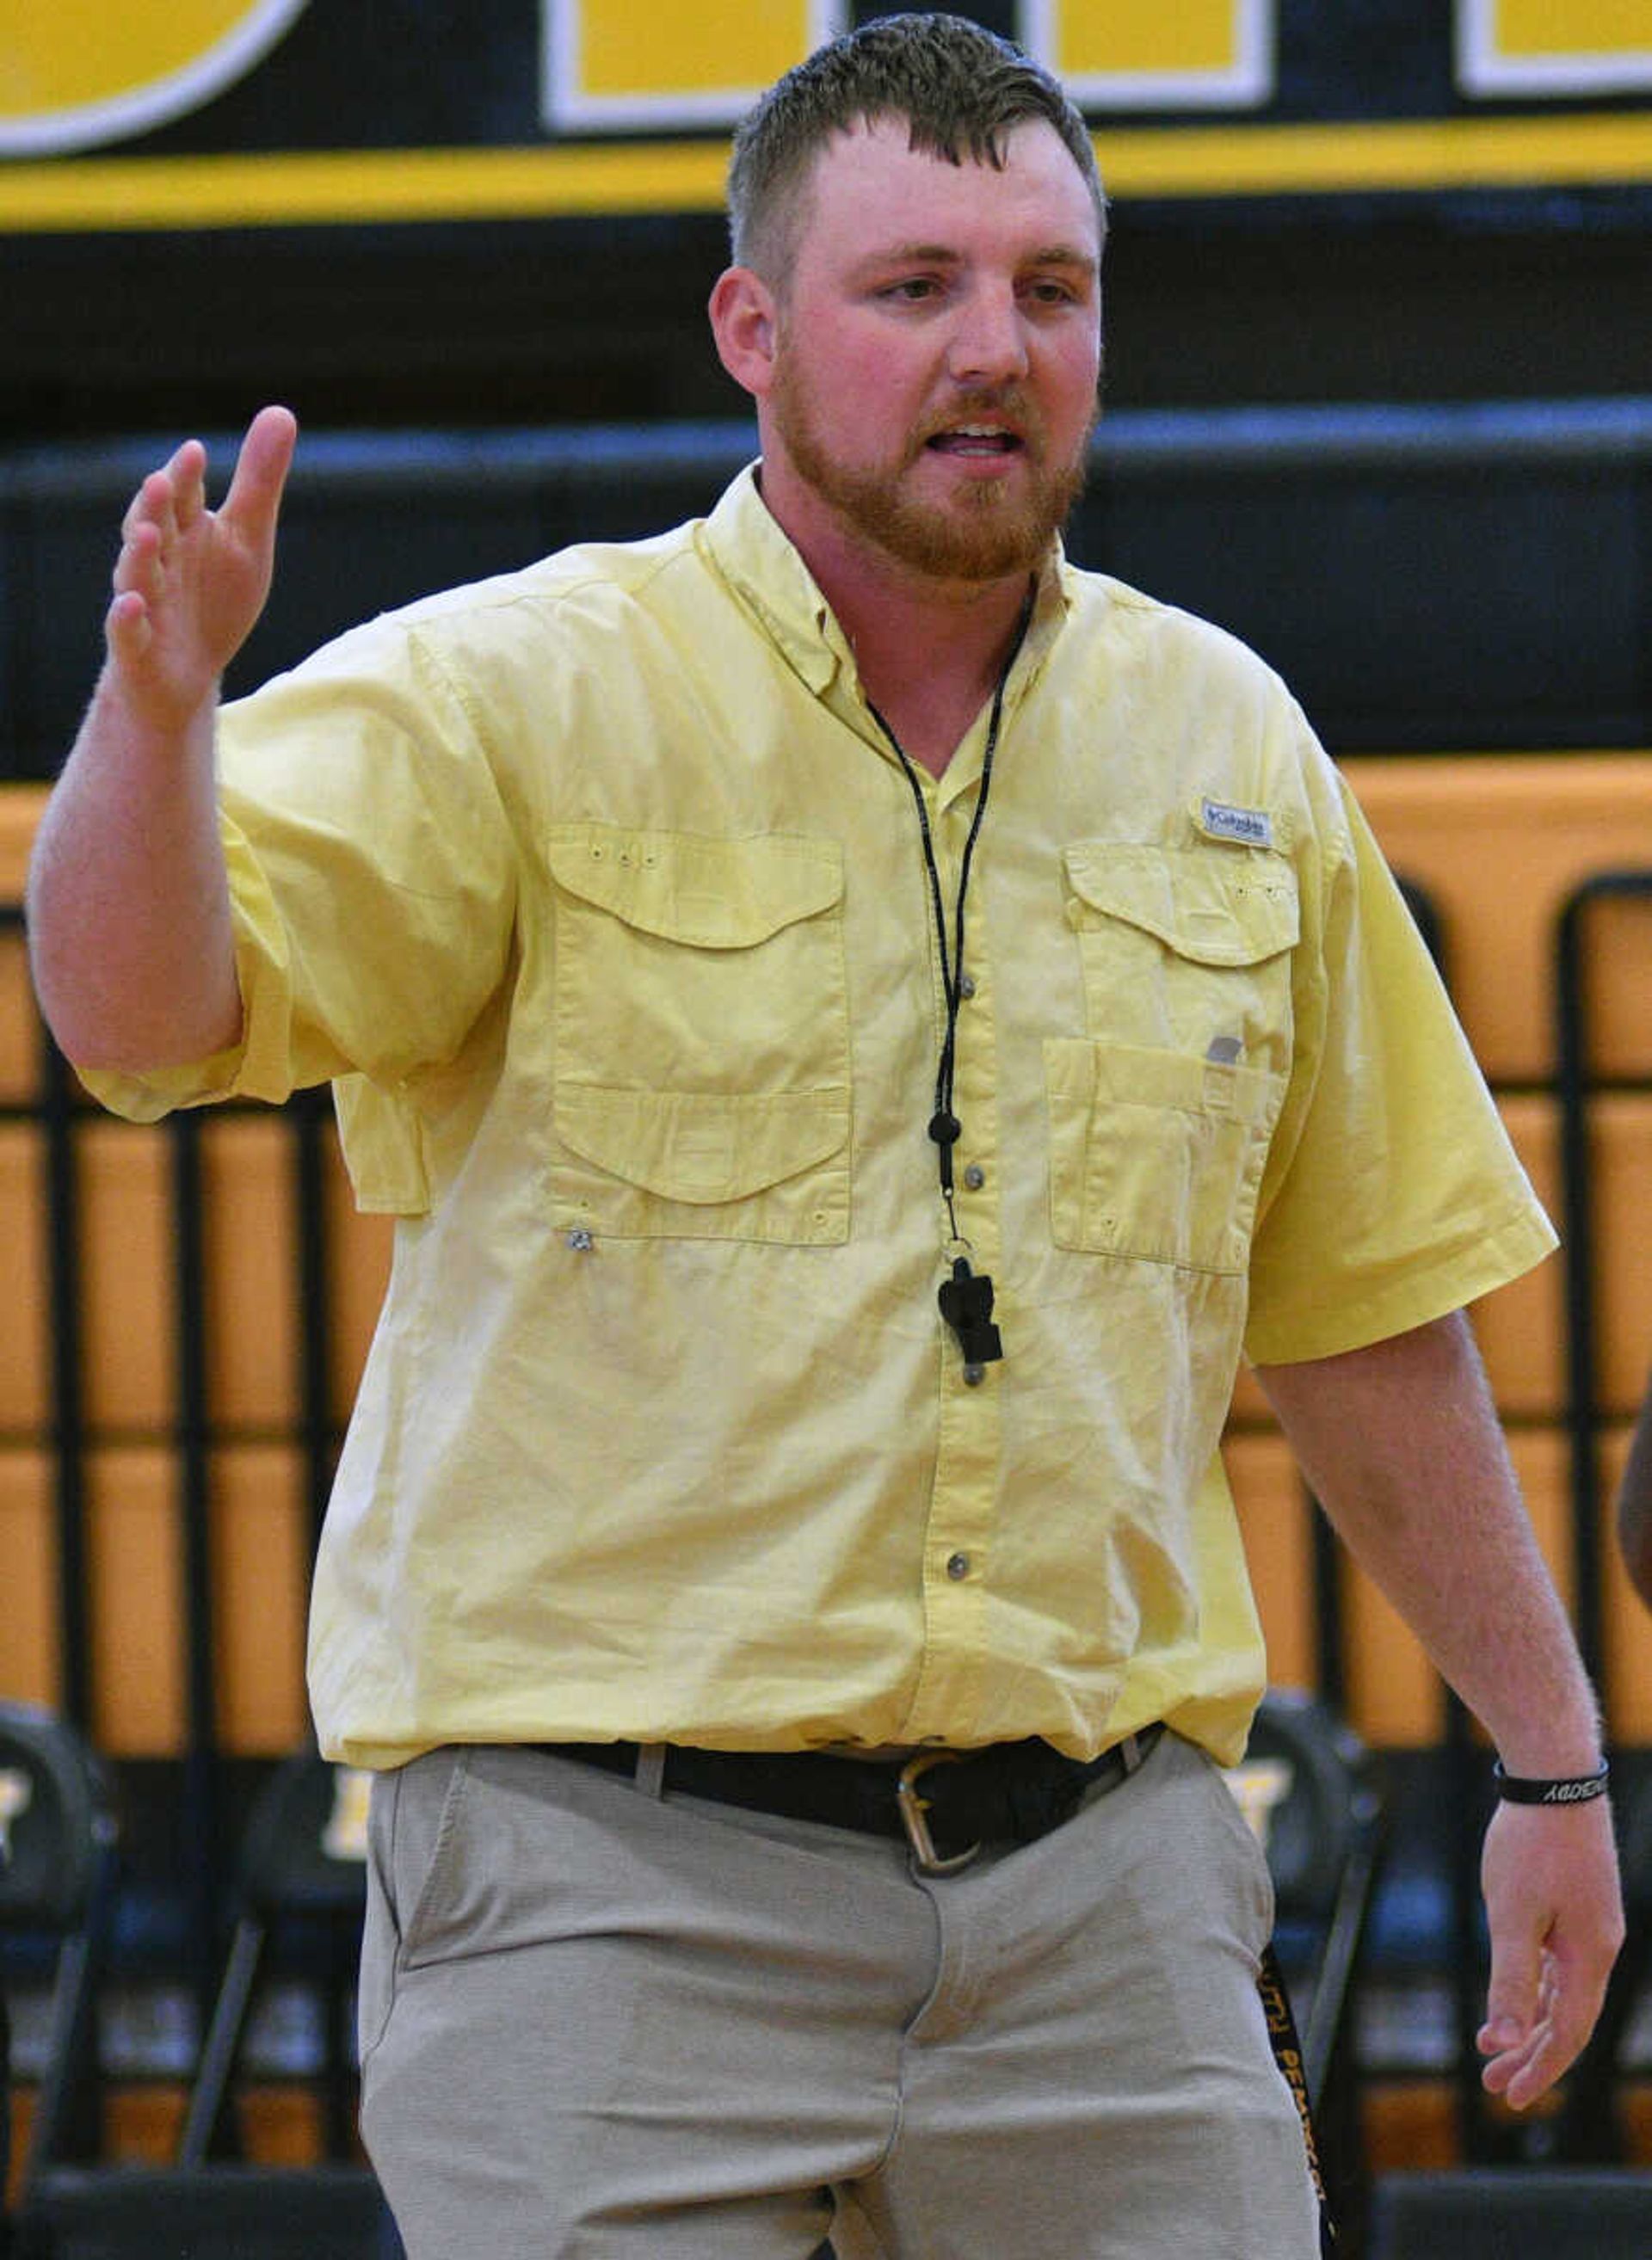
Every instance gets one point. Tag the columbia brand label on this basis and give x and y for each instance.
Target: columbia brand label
(1252, 827)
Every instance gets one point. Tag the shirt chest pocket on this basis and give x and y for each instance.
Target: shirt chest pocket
(701, 1046)
(1160, 1116)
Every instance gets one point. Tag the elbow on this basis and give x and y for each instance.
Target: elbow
(99, 1031)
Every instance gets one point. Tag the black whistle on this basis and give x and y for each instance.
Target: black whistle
(965, 1304)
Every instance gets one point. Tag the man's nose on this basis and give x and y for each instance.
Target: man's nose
(989, 343)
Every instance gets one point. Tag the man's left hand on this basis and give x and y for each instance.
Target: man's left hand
(1556, 1912)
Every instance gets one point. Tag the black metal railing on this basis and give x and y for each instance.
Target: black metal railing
(201, 1800)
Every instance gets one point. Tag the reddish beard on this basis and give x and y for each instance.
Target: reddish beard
(989, 531)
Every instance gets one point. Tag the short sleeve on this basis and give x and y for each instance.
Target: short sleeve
(1393, 1194)
(372, 877)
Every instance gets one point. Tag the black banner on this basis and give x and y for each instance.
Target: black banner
(218, 112)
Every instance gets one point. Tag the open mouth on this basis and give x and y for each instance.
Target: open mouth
(989, 440)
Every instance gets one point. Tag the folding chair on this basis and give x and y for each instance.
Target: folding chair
(301, 1864)
(57, 1871)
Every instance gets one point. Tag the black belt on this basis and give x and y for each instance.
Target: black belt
(947, 1804)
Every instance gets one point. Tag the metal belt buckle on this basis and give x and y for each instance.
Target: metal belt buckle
(914, 1811)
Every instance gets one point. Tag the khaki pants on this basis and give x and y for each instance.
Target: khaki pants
(598, 2026)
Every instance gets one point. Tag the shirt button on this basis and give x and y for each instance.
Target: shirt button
(974, 1176)
(957, 1567)
(966, 984)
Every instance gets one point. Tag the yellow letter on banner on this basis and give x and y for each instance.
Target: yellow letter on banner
(631, 62)
(1554, 46)
(74, 73)
(1140, 55)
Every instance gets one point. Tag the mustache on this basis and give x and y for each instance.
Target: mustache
(986, 404)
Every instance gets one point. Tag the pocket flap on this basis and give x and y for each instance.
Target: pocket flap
(1216, 905)
(702, 1146)
(1111, 1075)
(711, 893)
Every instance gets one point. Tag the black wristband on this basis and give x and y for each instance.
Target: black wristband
(1579, 1789)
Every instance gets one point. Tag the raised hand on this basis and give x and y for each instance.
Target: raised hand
(190, 582)
(130, 927)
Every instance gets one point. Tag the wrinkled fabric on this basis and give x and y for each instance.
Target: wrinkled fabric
(599, 893)
(597, 2023)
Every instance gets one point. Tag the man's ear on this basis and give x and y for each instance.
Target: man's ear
(744, 323)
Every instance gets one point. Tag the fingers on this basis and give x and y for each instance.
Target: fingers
(126, 629)
(1556, 1916)
(1521, 2075)
(191, 576)
(1512, 2011)
(168, 502)
(139, 578)
(1524, 2062)
(172, 497)
(187, 472)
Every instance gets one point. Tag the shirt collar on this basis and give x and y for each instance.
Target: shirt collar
(770, 578)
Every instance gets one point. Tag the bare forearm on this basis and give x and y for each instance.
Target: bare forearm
(129, 913)
(1402, 1448)
(129, 916)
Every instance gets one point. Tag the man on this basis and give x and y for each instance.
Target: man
(860, 1023)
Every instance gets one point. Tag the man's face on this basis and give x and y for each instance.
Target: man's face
(938, 352)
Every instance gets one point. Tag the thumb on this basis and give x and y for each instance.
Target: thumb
(253, 499)
(1512, 1992)
(1517, 1928)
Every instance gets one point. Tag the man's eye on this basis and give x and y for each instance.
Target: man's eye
(912, 287)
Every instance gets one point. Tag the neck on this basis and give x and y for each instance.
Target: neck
(929, 651)
(911, 647)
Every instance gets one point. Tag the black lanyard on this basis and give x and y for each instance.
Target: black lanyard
(966, 1298)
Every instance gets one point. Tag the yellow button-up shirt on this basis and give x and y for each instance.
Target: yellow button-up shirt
(601, 894)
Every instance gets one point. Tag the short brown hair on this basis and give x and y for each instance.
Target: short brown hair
(960, 88)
